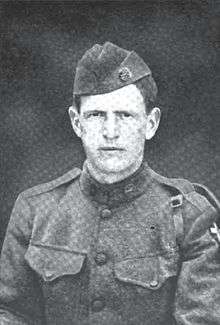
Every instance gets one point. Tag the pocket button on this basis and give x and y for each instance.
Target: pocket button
(97, 305)
(48, 274)
(106, 213)
(154, 284)
(101, 258)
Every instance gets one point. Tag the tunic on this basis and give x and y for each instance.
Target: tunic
(139, 251)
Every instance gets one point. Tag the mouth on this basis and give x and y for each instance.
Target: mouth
(110, 149)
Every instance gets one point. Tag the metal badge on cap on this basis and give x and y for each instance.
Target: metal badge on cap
(124, 74)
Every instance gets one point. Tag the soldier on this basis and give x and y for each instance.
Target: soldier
(115, 243)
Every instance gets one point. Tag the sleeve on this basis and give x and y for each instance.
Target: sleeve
(21, 300)
(197, 300)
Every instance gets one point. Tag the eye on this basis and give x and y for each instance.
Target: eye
(94, 114)
(124, 115)
(97, 114)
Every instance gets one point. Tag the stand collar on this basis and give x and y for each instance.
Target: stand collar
(113, 194)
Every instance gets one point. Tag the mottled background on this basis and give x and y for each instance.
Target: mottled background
(41, 42)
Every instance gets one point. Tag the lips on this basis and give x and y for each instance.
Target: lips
(110, 149)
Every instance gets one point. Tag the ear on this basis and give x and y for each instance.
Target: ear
(153, 121)
(75, 120)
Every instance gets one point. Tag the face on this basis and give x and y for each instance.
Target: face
(113, 128)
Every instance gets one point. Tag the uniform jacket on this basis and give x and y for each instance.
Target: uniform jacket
(136, 252)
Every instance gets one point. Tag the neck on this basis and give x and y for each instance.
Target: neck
(112, 177)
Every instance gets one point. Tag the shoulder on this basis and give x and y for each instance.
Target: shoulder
(65, 179)
(194, 194)
(41, 197)
(194, 207)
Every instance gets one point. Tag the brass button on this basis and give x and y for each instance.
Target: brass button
(106, 213)
(154, 284)
(48, 274)
(101, 258)
(97, 305)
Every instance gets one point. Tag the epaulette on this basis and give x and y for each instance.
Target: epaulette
(197, 194)
(45, 187)
(176, 185)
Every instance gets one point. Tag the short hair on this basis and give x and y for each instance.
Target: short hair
(145, 85)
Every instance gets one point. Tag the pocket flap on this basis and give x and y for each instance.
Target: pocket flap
(148, 272)
(52, 263)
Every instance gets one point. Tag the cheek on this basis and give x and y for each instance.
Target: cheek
(90, 136)
(134, 133)
(90, 129)
(135, 142)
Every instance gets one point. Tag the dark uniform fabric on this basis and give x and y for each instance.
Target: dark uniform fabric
(136, 252)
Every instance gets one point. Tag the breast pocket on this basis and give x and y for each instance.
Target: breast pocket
(53, 263)
(150, 272)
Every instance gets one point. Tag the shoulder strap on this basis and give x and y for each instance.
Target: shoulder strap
(203, 190)
(45, 187)
(177, 185)
(199, 195)
(206, 197)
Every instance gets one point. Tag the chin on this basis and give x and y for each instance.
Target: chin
(113, 166)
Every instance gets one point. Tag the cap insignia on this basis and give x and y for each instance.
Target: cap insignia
(124, 74)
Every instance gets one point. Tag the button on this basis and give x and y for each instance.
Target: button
(97, 305)
(154, 284)
(101, 258)
(48, 274)
(106, 213)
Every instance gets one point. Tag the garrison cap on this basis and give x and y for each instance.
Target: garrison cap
(108, 67)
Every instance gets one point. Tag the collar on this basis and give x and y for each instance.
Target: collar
(113, 194)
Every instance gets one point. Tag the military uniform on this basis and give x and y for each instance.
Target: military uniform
(139, 251)
(136, 252)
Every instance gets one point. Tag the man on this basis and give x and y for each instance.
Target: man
(116, 243)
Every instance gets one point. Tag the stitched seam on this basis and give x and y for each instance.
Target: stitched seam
(57, 248)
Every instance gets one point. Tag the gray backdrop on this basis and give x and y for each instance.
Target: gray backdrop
(41, 42)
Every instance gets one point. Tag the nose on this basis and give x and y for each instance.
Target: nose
(110, 127)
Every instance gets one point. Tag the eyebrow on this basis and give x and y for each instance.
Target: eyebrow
(104, 112)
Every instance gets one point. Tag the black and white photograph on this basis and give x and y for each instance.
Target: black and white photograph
(110, 162)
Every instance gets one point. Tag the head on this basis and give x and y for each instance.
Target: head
(114, 123)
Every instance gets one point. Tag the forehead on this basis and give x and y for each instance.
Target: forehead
(128, 97)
